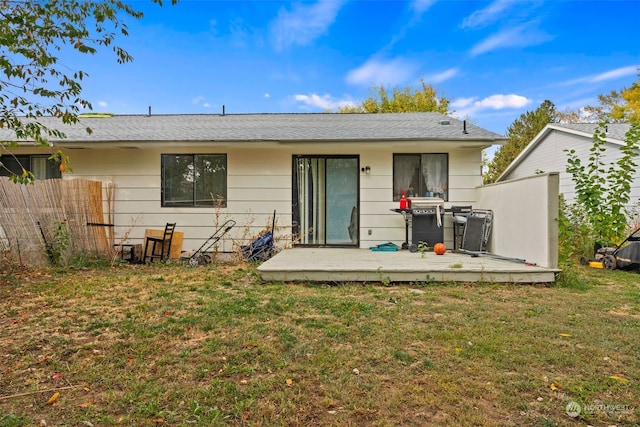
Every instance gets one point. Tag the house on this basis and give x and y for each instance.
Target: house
(332, 180)
(547, 152)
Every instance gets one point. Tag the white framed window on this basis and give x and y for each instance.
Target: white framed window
(194, 180)
(421, 175)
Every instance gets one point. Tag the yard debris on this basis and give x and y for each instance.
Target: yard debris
(40, 391)
(53, 398)
(619, 378)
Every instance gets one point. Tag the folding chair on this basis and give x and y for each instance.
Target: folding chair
(164, 243)
(460, 215)
(477, 230)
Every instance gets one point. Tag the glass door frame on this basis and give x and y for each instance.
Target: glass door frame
(296, 226)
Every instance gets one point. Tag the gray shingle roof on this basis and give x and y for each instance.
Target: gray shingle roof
(271, 127)
(614, 130)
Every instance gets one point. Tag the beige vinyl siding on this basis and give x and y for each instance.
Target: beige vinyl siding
(259, 181)
(376, 193)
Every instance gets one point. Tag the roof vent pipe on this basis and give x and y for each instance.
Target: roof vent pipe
(223, 109)
(464, 127)
(149, 110)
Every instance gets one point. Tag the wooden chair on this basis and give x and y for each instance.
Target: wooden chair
(163, 242)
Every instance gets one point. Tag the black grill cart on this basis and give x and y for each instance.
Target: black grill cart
(426, 216)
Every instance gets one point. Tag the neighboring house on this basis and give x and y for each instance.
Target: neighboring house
(332, 179)
(546, 153)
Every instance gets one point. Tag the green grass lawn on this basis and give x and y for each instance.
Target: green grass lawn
(176, 346)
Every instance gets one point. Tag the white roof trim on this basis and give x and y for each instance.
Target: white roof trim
(541, 136)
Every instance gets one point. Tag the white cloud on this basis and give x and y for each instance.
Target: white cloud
(418, 7)
(462, 102)
(324, 102)
(519, 36)
(443, 76)
(468, 107)
(304, 23)
(421, 6)
(103, 104)
(377, 72)
(489, 14)
(614, 74)
(499, 102)
(267, 95)
(201, 101)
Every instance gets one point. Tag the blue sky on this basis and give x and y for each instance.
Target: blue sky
(494, 59)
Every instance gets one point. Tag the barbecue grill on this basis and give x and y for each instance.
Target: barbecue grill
(426, 221)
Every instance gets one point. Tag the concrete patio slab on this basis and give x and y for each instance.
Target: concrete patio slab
(363, 265)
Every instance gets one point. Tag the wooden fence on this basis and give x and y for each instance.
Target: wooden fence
(51, 221)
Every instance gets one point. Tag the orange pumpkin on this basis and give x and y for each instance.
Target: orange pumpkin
(439, 248)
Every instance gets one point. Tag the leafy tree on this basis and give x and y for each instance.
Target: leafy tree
(382, 100)
(33, 83)
(603, 190)
(520, 134)
(630, 111)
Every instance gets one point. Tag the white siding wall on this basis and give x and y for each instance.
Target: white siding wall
(525, 221)
(549, 156)
(259, 182)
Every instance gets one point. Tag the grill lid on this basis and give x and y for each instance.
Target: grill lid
(426, 202)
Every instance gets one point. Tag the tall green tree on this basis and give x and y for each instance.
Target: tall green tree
(603, 190)
(33, 83)
(520, 134)
(396, 100)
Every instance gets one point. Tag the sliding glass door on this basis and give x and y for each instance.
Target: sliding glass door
(325, 200)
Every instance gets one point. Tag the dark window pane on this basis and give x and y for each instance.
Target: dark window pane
(194, 180)
(177, 180)
(43, 168)
(13, 165)
(40, 165)
(211, 180)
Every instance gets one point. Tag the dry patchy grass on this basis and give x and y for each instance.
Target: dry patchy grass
(173, 345)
